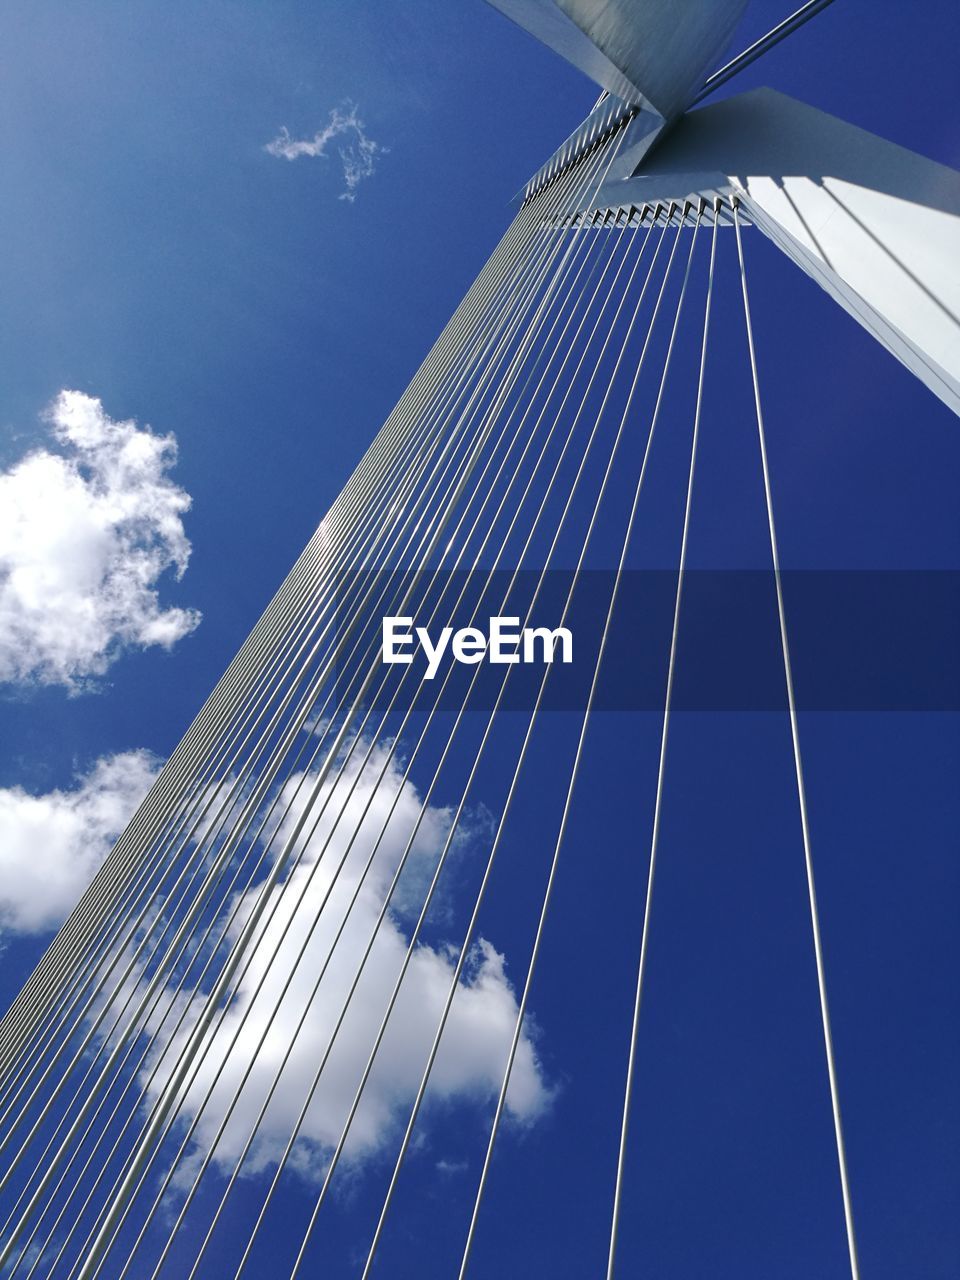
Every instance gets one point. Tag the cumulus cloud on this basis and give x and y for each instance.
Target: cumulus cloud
(358, 155)
(86, 532)
(51, 845)
(474, 1048)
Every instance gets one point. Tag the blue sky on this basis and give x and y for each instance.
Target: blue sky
(156, 257)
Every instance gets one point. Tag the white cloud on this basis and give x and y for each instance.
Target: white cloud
(51, 845)
(358, 157)
(474, 1048)
(85, 534)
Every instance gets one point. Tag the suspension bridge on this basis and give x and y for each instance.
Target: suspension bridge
(202, 989)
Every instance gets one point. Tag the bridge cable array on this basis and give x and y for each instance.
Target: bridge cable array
(209, 1024)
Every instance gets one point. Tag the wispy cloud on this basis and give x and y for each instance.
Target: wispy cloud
(87, 530)
(358, 153)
